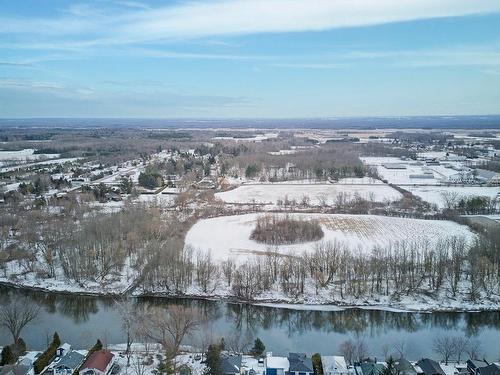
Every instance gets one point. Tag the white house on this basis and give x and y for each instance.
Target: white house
(276, 365)
(334, 365)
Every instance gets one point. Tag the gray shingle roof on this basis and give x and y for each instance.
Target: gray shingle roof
(231, 364)
(14, 370)
(430, 367)
(300, 363)
(404, 367)
(491, 369)
(70, 361)
(369, 368)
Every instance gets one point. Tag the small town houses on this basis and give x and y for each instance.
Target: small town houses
(66, 362)
(106, 362)
(301, 364)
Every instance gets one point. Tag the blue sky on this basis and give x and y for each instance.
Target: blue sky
(249, 58)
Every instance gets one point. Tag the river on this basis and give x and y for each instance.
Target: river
(80, 320)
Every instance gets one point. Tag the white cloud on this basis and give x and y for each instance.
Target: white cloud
(54, 88)
(471, 55)
(237, 17)
(309, 65)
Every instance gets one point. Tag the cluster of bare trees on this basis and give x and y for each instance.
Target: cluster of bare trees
(139, 242)
(448, 348)
(328, 161)
(167, 327)
(399, 269)
(354, 350)
(89, 247)
(450, 266)
(279, 230)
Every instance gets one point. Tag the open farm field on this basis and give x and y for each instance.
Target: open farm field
(229, 236)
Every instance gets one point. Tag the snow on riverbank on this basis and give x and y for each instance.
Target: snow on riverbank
(15, 274)
(229, 236)
(329, 299)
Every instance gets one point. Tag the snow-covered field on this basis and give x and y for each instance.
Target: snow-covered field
(43, 162)
(229, 236)
(255, 138)
(271, 193)
(26, 155)
(434, 194)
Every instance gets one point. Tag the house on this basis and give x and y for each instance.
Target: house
(491, 369)
(369, 368)
(276, 365)
(474, 364)
(67, 364)
(482, 367)
(404, 367)
(98, 363)
(334, 365)
(428, 366)
(16, 370)
(231, 365)
(300, 364)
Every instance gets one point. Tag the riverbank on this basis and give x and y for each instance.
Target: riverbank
(413, 303)
(81, 320)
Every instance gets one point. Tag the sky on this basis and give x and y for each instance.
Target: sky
(249, 58)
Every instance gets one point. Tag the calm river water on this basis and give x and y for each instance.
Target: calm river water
(81, 320)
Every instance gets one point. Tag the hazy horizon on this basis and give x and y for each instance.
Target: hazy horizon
(397, 122)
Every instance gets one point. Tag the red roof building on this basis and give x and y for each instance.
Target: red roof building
(98, 363)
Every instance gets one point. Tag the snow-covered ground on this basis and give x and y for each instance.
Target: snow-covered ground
(157, 199)
(255, 138)
(435, 194)
(44, 162)
(408, 175)
(270, 193)
(23, 156)
(229, 236)
(16, 274)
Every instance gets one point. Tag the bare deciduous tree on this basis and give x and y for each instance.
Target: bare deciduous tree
(348, 350)
(129, 318)
(445, 345)
(474, 349)
(400, 348)
(138, 366)
(460, 346)
(170, 326)
(17, 315)
(239, 343)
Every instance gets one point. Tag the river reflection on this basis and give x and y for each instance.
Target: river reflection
(82, 319)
